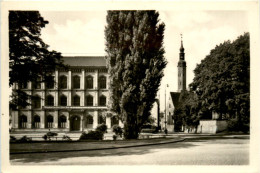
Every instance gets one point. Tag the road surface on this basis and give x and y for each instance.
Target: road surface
(200, 151)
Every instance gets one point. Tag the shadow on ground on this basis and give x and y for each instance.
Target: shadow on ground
(42, 157)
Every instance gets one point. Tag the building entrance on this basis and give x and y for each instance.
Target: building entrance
(75, 123)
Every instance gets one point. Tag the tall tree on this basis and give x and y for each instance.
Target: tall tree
(222, 79)
(29, 56)
(135, 57)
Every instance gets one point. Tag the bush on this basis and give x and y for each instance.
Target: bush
(12, 139)
(92, 135)
(102, 128)
(236, 126)
(117, 130)
(25, 139)
(66, 138)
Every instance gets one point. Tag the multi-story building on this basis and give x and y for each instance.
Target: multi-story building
(75, 101)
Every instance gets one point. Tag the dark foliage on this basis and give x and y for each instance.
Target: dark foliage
(135, 59)
(117, 130)
(29, 56)
(102, 128)
(92, 135)
(221, 84)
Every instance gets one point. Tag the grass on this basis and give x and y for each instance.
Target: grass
(80, 145)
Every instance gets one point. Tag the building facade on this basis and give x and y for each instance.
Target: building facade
(75, 101)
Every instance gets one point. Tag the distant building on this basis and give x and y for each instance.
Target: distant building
(212, 125)
(76, 101)
(173, 99)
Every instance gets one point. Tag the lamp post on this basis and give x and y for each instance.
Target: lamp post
(165, 109)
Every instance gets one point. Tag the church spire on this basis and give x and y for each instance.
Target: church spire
(182, 48)
(182, 69)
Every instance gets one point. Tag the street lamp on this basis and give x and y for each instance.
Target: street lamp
(165, 108)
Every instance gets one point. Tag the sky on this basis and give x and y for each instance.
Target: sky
(82, 33)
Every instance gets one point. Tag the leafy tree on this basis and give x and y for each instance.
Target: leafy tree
(187, 112)
(134, 46)
(29, 56)
(222, 80)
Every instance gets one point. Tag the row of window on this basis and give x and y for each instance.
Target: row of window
(62, 121)
(36, 101)
(63, 83)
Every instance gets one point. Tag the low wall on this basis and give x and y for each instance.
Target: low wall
(212, 126)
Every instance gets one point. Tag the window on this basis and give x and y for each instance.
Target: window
(23, 121)
(50, 82)
(49, 123)
(63, 100)
(22, 85)
(102, 101)
(49, 100)
(62, 121)
(76, 100)
(89, 100)
(62, 82)
(101, 119)
(102, 82)
(36, 102)
(36, 84)
(36, 121)
(89, 82)
(114, 121)
(89, 122)
(76, 82)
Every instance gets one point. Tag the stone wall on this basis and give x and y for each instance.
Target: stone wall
(212, 126)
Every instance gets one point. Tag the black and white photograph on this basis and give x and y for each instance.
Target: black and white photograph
(171, 85)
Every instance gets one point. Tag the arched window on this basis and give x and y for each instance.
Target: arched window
(36, 84)
(89, 82)
(76, 100)
(36, 102)
(102, 82)
(36, 121)
(50, 82)
(89, 122)
(89, 100)
(102, 100)
(76, 82)
(63, 100)
(62, 121)
(101, 119)
(63, 82)
(23, 121)
(49, 100)
(49, 122)
(114, 121)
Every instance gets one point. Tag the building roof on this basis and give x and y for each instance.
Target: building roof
(79, 61)
(175, 98)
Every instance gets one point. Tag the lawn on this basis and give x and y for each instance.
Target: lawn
(81, 145)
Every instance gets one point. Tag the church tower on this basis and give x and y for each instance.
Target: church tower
(181, 69)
